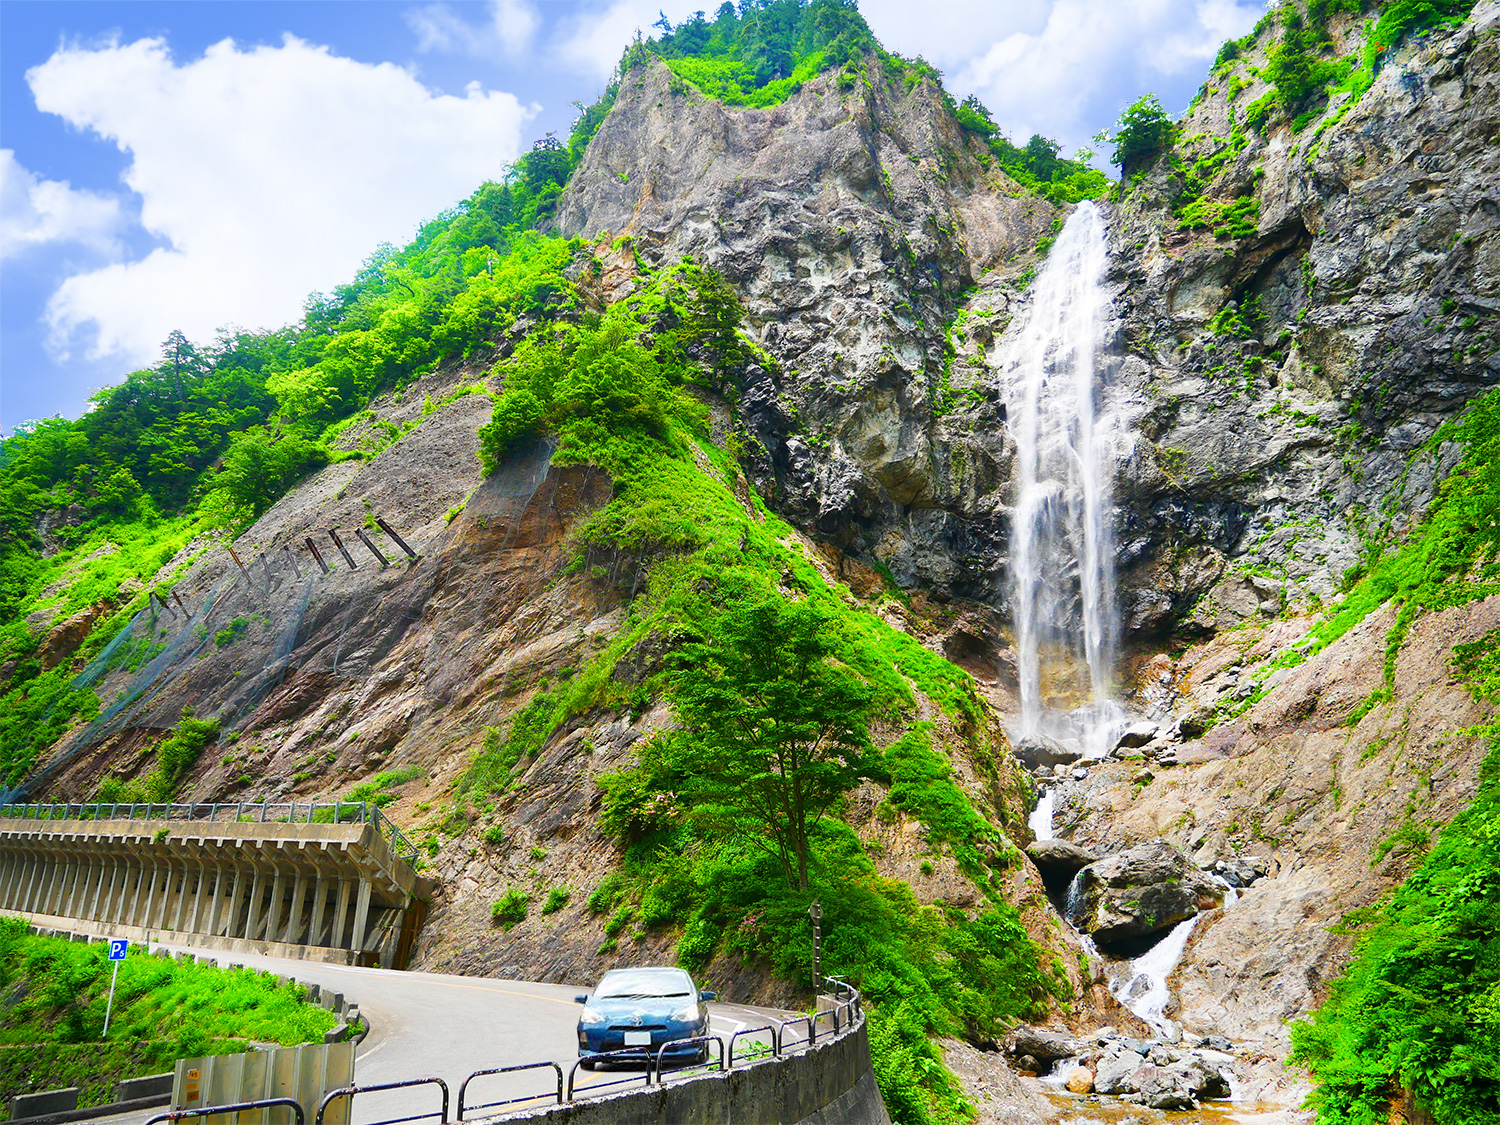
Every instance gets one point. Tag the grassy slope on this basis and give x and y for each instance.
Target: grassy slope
(53, 1014)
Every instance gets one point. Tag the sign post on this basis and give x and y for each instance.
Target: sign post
(117, 947)
(816, 910)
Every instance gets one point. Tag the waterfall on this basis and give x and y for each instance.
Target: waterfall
(1144, 989)
(1040, 820)
(1062, 549)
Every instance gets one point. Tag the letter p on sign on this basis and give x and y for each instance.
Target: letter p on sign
(117, 948)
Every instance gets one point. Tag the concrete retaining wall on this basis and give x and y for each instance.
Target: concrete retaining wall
(831, 1084)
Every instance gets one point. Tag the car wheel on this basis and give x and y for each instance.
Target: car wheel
(702, 1056)
(587, 1064)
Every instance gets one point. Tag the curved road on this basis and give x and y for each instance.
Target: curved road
(435, 1025)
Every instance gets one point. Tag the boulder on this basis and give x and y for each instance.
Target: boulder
(1165, 1088)
(1039, 750)
(1080, 1080)
(1216, 1043)
(1135, 735)
(1116, 1074)
(1204, 1078)
(1047, 1047)
(1059, 856)
(1026, 1064)
(1139, 891)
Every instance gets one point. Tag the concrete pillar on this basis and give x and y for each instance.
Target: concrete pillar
(116, 911)
(49, 881)
(80, 879)
(273, 918)
(60, 895)
(320, 902)
(180, 915)
(93, 910)
(28, 882)
(361, 916)
(336, 939)
(233, 914)
(196, 918)
(211, 923)
(145, 919)
(293, 929)
(252, 919)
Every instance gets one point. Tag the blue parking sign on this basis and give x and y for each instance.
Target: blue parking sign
(117, 948)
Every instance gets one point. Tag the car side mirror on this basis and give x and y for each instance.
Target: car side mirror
(580, 999)
(707, 995)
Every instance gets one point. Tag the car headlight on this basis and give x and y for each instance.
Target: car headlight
(591, 1017)
(688, 1013)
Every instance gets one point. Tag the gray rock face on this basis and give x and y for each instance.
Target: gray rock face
(1139, 891)
(849, 222)
(1059, 856)
(1047, 1047)
(1282, 384)
(1039, 750)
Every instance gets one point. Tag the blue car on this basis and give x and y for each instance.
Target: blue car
(643, 1008)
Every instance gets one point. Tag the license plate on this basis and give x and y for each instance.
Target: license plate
(637, 1039)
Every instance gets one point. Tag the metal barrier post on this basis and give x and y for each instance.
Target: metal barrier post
(214, 1110)
(350, 1091)
(463, 1087)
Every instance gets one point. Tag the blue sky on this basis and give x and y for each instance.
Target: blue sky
(200, 164)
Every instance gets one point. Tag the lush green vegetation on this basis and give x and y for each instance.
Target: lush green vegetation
(1143, 132)
(761, 53)
(744, 619)
(1038, 166)
(163, 1010)
(175, 755)
(1419, 1008)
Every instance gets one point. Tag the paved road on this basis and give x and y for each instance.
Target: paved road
(434, 1025)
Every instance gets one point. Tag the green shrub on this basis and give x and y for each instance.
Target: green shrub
(510, 910)
(557, 898)
(605, 895)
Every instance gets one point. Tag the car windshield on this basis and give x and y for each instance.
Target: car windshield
(642, 984)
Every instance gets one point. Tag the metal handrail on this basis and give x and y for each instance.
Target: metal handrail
(661, 1052)
(350, 1091)
(639, 1053)
(812, 1035)
(775, 1049)
(214, 1110)
(294, 812)
(463, 1086)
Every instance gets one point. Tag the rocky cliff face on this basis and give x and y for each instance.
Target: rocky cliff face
(855, 224)
(1286, 381)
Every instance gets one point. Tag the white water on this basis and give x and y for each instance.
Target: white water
(1144, 988)
(1040, 820)
(1067, 441)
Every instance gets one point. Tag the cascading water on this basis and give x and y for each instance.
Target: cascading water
(1040, 820)
(1067, 441)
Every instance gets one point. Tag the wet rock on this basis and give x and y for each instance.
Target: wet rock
(1059, 856)
(1135, 735)
(1039, 750)
(1047, 1047)
(1028, 1064)
(1216, 1043)
(1116, 1074)
(1140, 891)
(1165, 1088)
(1080, 1080)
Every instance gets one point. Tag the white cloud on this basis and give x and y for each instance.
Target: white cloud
(510, 29)
(1092, 57)
(37, 212)
(268, 173)
(593, 40)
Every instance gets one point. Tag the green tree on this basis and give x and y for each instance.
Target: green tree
(1141, 134)
(773, 732)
